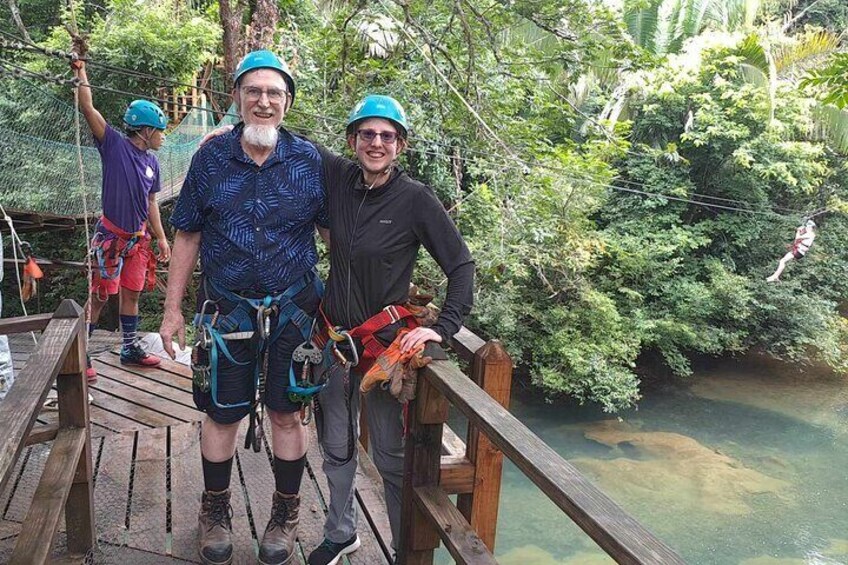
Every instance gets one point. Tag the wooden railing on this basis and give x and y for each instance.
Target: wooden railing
(66, 482)
(437, 464)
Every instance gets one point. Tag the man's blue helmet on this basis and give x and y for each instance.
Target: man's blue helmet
(141, 113)
(378, 106)
(264, 60)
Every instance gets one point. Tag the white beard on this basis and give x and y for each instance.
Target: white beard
(260, 136)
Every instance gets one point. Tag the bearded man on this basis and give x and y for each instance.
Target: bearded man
(248, 208)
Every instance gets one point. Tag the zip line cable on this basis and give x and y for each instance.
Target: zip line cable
(570, 175)
(514, 157)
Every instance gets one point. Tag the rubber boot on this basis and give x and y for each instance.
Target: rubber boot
(277, 546)
(214, 528)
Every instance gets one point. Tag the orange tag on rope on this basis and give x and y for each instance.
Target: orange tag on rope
(32, 269)
(32, 272)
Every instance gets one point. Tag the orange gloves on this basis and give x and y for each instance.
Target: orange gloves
(399, 369)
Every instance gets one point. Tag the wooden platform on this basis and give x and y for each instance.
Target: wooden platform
(148, 476)
(125, 398)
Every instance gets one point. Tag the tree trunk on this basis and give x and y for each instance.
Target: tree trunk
(16, 16)
(263, 25)
(231, 12)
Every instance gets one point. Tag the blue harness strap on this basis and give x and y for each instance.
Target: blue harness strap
(242, 319)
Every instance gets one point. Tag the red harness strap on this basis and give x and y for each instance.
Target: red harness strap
(366, 331)
(115, 246)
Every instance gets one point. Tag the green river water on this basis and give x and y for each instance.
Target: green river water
(744, 463)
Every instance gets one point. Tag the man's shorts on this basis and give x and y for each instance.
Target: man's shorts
(797, 254)
(133, 275)
(236, 382)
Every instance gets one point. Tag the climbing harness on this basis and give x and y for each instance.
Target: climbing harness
(250, 319)
(342, 355)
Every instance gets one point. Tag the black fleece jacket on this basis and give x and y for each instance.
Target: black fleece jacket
(375, 237)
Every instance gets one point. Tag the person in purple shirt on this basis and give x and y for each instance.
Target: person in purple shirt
(124, 262)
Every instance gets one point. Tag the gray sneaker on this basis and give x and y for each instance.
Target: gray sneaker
(330, 552)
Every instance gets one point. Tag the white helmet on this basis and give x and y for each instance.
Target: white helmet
(810, 224)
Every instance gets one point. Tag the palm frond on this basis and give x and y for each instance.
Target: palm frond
(831, 123)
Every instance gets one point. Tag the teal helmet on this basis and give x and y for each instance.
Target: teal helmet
(141, 113)
(264, 60)
(378, 106)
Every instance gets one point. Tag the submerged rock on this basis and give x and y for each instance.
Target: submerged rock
(674, 471)
(535, 555)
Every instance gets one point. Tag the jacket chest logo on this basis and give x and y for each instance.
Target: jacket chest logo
(386, 222)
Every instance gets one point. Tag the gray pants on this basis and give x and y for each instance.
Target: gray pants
(385, 434)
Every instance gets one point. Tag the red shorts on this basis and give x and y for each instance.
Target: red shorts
(133, 275)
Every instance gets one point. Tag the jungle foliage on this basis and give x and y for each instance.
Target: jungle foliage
(565, 138)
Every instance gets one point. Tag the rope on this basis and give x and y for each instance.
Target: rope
(89, 275)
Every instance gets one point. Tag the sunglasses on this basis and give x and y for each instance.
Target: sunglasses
(369, 135)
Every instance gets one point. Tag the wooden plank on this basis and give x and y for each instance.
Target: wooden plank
(109, 365)
(456, 475)
(174, 412)
(24, 400)
(452, 444)
(167, 365)
(492, 371)
(432, 407)
(40, 434)
(148, 385)
(72, 388)
(42, 521)
(460, 539)
(130, 410)
(9, 529)
(372, 503)
(370, 551)
(465, 344)
(111, 422)
(616, 532)
(252, 487)
(186, 485)
(7, 495)
(421, 468)
(23, 324)
(20, 501)
(112, 488)
(147, 510)
(314, 496)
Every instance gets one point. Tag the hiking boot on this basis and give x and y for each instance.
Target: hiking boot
(90, 372)
(135, 355)
(277, 546)
(214, 528)
(330, 552)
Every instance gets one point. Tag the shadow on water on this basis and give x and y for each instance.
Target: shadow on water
(740, 464)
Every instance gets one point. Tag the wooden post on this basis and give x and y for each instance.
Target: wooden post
(492, 371)
(175, 109)
(426, 416)
(73, 413)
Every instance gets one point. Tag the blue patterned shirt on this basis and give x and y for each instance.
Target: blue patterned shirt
(257, 223)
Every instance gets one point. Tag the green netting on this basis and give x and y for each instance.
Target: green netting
(39, 170)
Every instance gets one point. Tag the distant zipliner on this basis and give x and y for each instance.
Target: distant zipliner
(804, 237)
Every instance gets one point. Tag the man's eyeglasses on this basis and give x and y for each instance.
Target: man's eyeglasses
(275, 95)
(369, 135)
